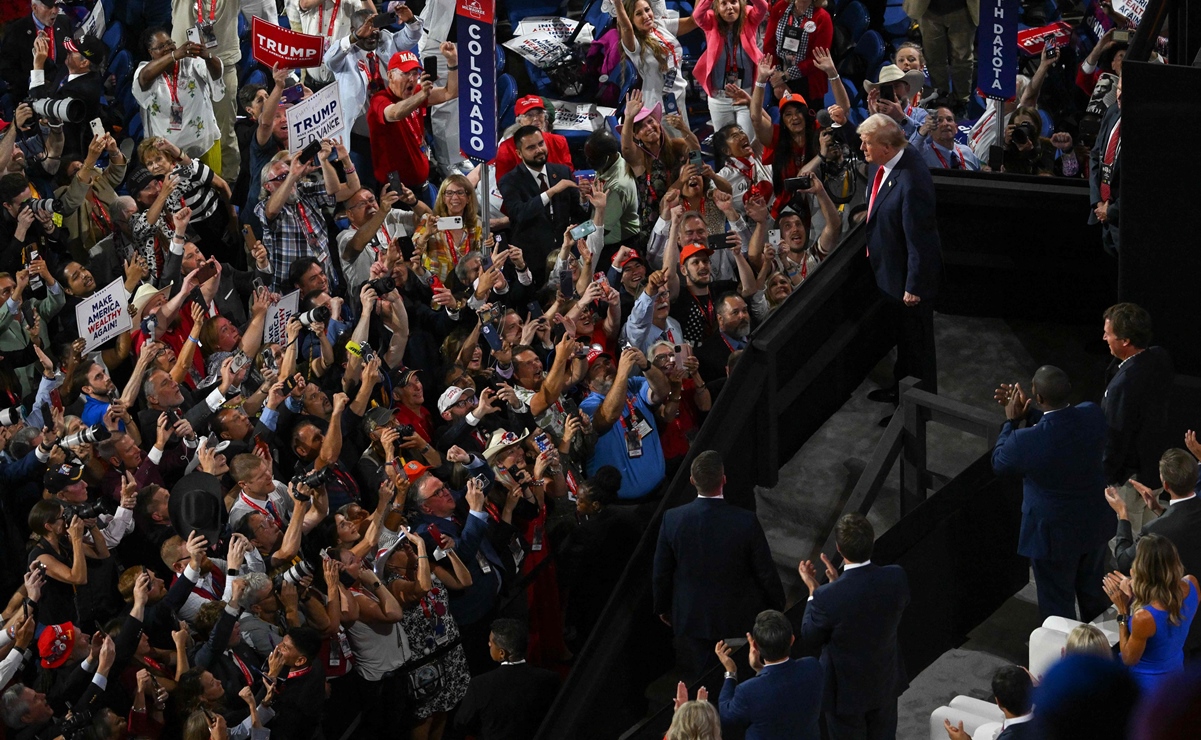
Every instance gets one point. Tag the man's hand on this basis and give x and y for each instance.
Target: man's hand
(670, 200)
(1148, 496)
(1101, 210)
(340, 402)
(911, 299)
(808, 575)
(141, 589)
(129, 491)
(955, 733)
(451, 52)
(41, 50)
(1114, 499)
(1018, 406)
(288, 596)
(723, 656)
(487, 404)
(927, 127)
(108, 654)
(1062, 141)
(475, 495)
(196, 545)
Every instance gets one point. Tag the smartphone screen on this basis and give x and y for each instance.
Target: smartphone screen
(583, 230)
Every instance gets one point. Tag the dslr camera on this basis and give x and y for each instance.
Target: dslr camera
(312, 479)
(382, 285)
(292, 575)
(65, 110)
(86, 436)
(86, 510)
(315, 315)
(1024, 133)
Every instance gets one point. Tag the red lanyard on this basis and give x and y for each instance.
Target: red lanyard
(450, 244)
(940, 157)
(733, 47)
(304, 217)
(173, 84)
(50, 34)
(200, 11)
(706, 308)
(298, 674)
(245, 671)
(725, 341)
(99, 214)
(671, 49)
(749, 172)
(630, 408)
(333, 17)
(264, 511)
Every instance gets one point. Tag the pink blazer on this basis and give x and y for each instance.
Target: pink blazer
(706, 20)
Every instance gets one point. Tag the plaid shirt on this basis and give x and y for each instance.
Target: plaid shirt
(287, 236)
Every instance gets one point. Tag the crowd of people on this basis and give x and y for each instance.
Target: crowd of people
(401, 510)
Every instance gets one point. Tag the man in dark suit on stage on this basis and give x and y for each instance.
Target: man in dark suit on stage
(1066, 524)
(854, 619)
(783, 700)
(1013, 691)
(1179, 521)
(78, 78)
(903, 246)
(541, 200)
(1104, 175)
(17, 59)
(1135, 404)
(713, 570)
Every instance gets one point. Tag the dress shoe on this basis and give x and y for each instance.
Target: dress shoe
(883, 395)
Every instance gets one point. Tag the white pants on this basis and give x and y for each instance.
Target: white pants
(722, 112)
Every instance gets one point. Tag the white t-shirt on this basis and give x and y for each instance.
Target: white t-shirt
(653, 74)
(196, 91)
(317, 22)
(358, 270)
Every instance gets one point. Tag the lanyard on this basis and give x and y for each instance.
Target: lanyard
(268, 511)
(633, 417)
(242, 667)
(200, 11)
(99, 214)
(308, 226)
(944, 162)
(706, 309)
(671, 49)
(733, 48)
(50, 35)
(297, 674)
(456, 254)
(333, 17)
(173, 84)
(725, 341)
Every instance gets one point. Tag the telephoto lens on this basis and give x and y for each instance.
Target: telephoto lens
(315, 315)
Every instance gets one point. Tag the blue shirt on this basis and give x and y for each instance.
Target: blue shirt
(639, 475)
(93, 413)
(937, 157)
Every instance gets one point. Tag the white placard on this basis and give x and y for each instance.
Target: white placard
(553, 27)
(1131, 10)
(315, 117)
(95, 24)
(579, 116)
(275, 330)
(103, 315)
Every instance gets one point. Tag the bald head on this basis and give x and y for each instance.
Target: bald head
(1051, 387)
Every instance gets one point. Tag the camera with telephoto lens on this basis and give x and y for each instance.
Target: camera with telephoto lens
(315, 315)
(76, 724)
(382, 285)
(65, 110)
(312, 479)
(11, 416)
(44, 205)
(86, 510)
(1023, 133)
(292, 575)
(86, 436)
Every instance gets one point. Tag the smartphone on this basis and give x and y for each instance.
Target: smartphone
(257, 284)
(395, 183)
(406, 247)
(535, 310)
(382, 20)
(194, 36)
(206, 272)
(773, 237)
(734, 643)
(695, 159)
(1121, 37)
(27, 312)
(436, 284)
(435, 533)
(718, 241)
(240, 360)
(581, 175)
(492, 336)
(1052, 51)
(269, 360)
(566, 284)
(97, 127)
(683, 352)
(543, 442)
(310, 150)
(429, 65)
(803, 182)
(887, 92)
(448, 223)
(583, 230)
(292, 95)
(289, 385)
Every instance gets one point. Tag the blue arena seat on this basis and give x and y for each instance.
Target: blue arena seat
(871, 47)
(896, 22)
(854, 18)
(531, 8)
(506, 97)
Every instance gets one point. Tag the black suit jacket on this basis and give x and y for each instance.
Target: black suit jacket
(902, 232)
(713, 354)
(87, 88)
(1109, 230)
(1180, 523)
(1022, 731)
(854, 619)
(713, 570)
(1136, 408)
(16, 57)
(537, 229)
(508, 703)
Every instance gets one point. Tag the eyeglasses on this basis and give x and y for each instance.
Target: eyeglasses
(279, 178)
(454, 193)
(363, 202)
(168, 44)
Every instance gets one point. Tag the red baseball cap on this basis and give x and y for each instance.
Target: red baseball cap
(790, 97)
(595, 352)
(527, 104)
(56, 643)
(405, 61)
(692, 250)
(632, 256)
(414, 470)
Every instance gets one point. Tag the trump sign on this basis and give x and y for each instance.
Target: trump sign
(271, 45)
(477, 79)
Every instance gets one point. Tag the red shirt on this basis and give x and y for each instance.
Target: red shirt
(557, 151)
(396, 145)
(420, 421)
(175, 338)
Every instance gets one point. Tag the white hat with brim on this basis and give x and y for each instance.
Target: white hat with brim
(142, 296)
(891, 73)
(502, 440)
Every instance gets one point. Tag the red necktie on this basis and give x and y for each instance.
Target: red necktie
(1111, 153)
(871, 204)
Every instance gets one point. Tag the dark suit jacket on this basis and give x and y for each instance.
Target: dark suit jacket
(17, 59)
(1022, 731)
(1064, 512)
(233, 290)
(508, 703)
(88, 88)
(902, 233)
(713, 570)
(713, 354)
(1136, 408)
(782, 703)
(1110, 228)
(531, 224)
(855, 621)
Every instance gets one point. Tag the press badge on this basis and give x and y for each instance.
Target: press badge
(792, 39)
(208, 34)
(485, 566)
(176, 122)
(669, 98)
(633, 443)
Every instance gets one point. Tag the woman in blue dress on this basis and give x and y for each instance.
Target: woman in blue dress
(1156, 606)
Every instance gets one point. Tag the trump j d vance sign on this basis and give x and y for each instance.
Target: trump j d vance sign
(318, 116)
(997, 38)
(477, 79)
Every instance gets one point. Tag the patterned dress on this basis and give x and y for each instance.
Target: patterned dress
(437, 683)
